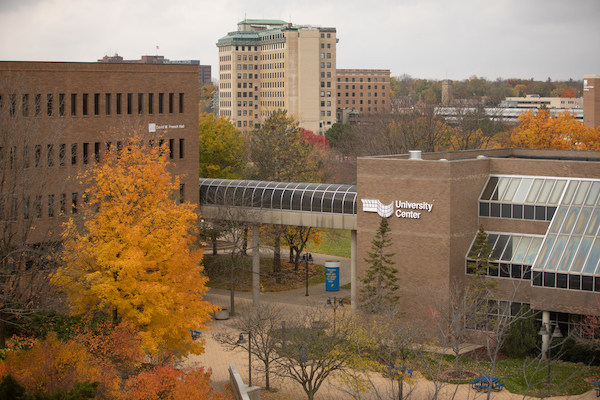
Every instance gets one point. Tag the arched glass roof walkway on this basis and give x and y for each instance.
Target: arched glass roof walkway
(288, 203)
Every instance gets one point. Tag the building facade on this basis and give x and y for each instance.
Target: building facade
(535, 101)
(268, 65)
(365, 91)
(57, 119)
(591, 100)
(540, 209)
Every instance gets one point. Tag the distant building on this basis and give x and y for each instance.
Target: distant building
(535, 101)
(268, 65)
(204, 71)
(591, 100)
(58, 119)
(366, 91)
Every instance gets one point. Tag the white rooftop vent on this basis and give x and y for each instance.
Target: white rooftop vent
(414, 155)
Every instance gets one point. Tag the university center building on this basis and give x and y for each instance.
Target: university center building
(540, 208)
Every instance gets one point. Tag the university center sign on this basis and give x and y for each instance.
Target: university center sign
(402, 209)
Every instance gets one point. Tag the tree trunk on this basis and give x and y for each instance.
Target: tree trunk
(115, 316)
(232, 291)
(277, 258)
(2, 334)
(214, 246)
(245, 241)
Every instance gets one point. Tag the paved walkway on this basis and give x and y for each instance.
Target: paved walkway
(218, 358)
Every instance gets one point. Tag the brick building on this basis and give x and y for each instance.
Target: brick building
(591, 100)
(540, 209)
(59, 118)
(365, 91)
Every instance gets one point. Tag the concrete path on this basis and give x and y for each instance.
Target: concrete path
(217, 358)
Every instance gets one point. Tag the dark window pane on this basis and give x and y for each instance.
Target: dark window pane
(517, 211)
(493, 270)
(597, 284)
(528, 212)
(495, 209)
(337, 202)
(516, 271)
(349, 203)
(527, 272)
(266, 198)
(561, 281)
(277, 196)
(286, 200)
(587, 283)
(484, 209)
(537, 278)
(505, 270)
(549, 279)
(327, 201)
(296, 198)
(540, 213)
(506, 210)
(550, 213)
(575, 282)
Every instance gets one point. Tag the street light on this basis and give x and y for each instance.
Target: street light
(551, 331)
(308, 259)
(241, 341)
(334, 302)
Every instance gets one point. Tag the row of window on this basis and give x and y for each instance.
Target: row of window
(91, 103)
(51, 205)
(361, 80)
(347, 94)
(63, 154)
(361, 87)
(566, 281)
(504, 270)
(516, 211)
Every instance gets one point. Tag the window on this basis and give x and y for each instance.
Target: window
(74, 154)
(62, 154)
(51, 205)
(38, 155)
(160, 102)
(107, 104)
(74, 203)
(38, 104)
(50, 106)
(170, 103)
(119, 98)
(140, 103)
(63, 203)
(85, 104)
(50, 155)
(181, 192)
(171, 146)
(85, 152)
(129, 102)
(150, 101)
(38, 206)
(181, 102)
(25, 105)
(181, 147)
(97, 151)
(73, 104)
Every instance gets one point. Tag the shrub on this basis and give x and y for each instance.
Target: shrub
(522, 339)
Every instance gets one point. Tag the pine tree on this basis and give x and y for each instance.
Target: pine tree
(380, 280)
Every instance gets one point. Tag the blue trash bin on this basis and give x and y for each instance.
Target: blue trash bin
(332, 276)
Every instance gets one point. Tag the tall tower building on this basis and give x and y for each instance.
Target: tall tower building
(591, 100)
(268, 65)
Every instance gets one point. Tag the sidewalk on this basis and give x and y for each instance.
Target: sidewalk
(294, 302)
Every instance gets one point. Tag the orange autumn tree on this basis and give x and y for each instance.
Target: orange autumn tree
(131, 256)
(542, 130)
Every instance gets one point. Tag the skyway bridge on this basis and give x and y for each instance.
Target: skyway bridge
(318, 205)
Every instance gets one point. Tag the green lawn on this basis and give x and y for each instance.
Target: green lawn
(335, 242)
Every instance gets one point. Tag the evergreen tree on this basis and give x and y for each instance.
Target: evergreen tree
(380, 280)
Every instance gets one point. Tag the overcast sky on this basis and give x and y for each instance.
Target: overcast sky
(433, 39)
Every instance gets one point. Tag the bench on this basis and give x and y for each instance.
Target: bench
(498, 386)
(195, 334)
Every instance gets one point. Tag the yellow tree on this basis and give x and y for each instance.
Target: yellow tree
(223, 149)
(131, 256)
(543, 130)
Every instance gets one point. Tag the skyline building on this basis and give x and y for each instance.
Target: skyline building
(268, 65)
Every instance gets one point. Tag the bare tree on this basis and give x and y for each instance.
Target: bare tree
(27, 240)
(264, 325)
(310, 354)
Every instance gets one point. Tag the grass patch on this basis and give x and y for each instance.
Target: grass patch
(218, 271)
(335, 242)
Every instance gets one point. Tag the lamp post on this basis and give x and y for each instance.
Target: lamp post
(241, 341)
(308, 259)
(334, 302)
(550, 331)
